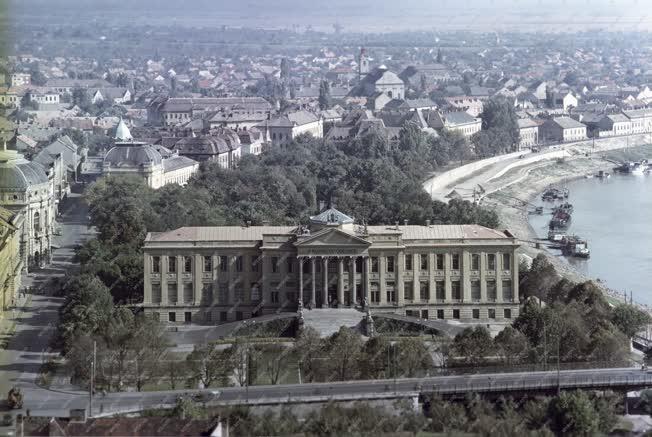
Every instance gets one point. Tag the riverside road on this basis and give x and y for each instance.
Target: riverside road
(56, 403)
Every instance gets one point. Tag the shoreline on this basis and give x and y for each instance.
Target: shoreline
(511, 203)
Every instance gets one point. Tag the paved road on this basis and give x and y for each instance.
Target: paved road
(58, 403)
(21, 361)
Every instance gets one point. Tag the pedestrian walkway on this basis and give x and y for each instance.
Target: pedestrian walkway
(328, 321)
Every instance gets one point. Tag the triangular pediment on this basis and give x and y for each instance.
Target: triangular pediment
(332, 238)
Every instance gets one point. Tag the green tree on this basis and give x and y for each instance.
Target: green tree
(208, 364)
(325, 99)
(629, 319)
(413, 357)
(473, 345)
(540, 278)
(511, 345)
(308, 350)
(373, 361)
(573, 413)
(343, 350)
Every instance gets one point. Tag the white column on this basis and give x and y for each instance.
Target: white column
(340, 281)
(313, 283)
(352, 278)
(301, 281)
(324, 298)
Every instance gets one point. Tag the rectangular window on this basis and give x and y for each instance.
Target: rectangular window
(274, 261)
(274, 296)
(238, 315)
(172, 292)
(224, 316)
(375, 292)
(475, 261)
(475, 291)
(290, 264)
(507, 313)
(476, 313)
(390, 264)
(255, 292)
(374, 264)
(408, 290)
(255, 260)
(440, 290)
(508, 295)
(491, 313)
(507, 259)
(440, 261)
(208, 316)
(424, 261)
(156, 264)
(188, 293)
(491, 261)
(207, 294)
(223, 294)
(456, 291)
(408, 262)
(208, 264)
(456, 314)
(187, 264)
(172, 264)
(391, 291)
(440, 314)
(455, 261)
(187, 317)
(491, 291)
(424, 290)
(224, 263)
(239, 294)
(172, 316)
(238, 264)
(156, 293)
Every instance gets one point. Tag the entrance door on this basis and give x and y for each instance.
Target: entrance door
(332, 295)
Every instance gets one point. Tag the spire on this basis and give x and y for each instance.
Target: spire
(122, 132)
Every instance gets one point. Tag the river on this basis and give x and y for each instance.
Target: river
(615, 217)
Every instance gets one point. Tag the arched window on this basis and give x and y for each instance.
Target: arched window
(389, 93)
(37, 222)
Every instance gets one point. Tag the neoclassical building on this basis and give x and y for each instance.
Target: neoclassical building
(157, 166)
(11, 263)
(219, 274)
(27, 187)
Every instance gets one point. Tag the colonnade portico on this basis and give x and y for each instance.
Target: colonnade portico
(356, 295)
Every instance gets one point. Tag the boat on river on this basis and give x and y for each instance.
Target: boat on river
(560, 220)
(572, 245)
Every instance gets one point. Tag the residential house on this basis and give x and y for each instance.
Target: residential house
(21, 79)
(244, 111)
(283, 129)
(641, 120)
(529, 132)
(615, 124)
(473, 106)
(561, 130)
(458, 121)
(112, 95)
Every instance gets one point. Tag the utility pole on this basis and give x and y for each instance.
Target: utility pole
(558, 364)
(92, 384)
(545, 348)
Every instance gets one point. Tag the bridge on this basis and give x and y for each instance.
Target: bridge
(43, 402)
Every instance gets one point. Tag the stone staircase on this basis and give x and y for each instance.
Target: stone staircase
(327, 321)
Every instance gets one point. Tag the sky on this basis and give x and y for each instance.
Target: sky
(365, 15)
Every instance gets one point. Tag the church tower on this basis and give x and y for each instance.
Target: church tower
(363, 64)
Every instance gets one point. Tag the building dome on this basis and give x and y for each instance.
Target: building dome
(331, 216)
(132, 155)
(122, 132)
(18, 174)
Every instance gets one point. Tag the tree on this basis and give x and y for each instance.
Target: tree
(629, 319)
(511, 345)
(147, 346)
(285, 69)
(473, 345)
(275, 361)
(414, 357)
(325, 100)
(343, 350)
(540, 278)
(308, 349)
(88, 307)
(207, 364)
(500, 127)
(373, 361)
(573, 413)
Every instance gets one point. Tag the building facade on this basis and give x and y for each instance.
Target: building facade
(218, 274)
(28, 188)
(528, 131)
(11, 262)
(562, 129)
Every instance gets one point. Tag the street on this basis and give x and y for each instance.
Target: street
(28, 347)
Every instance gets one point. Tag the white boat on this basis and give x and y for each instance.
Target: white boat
(639, 168)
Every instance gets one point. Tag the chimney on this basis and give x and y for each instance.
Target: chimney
(248, 223)
(405, 222)
(428, 222)
(396, 223)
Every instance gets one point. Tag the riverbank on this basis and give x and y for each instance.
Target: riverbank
(519, 187)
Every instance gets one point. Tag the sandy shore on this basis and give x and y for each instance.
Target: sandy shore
(511, 202)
